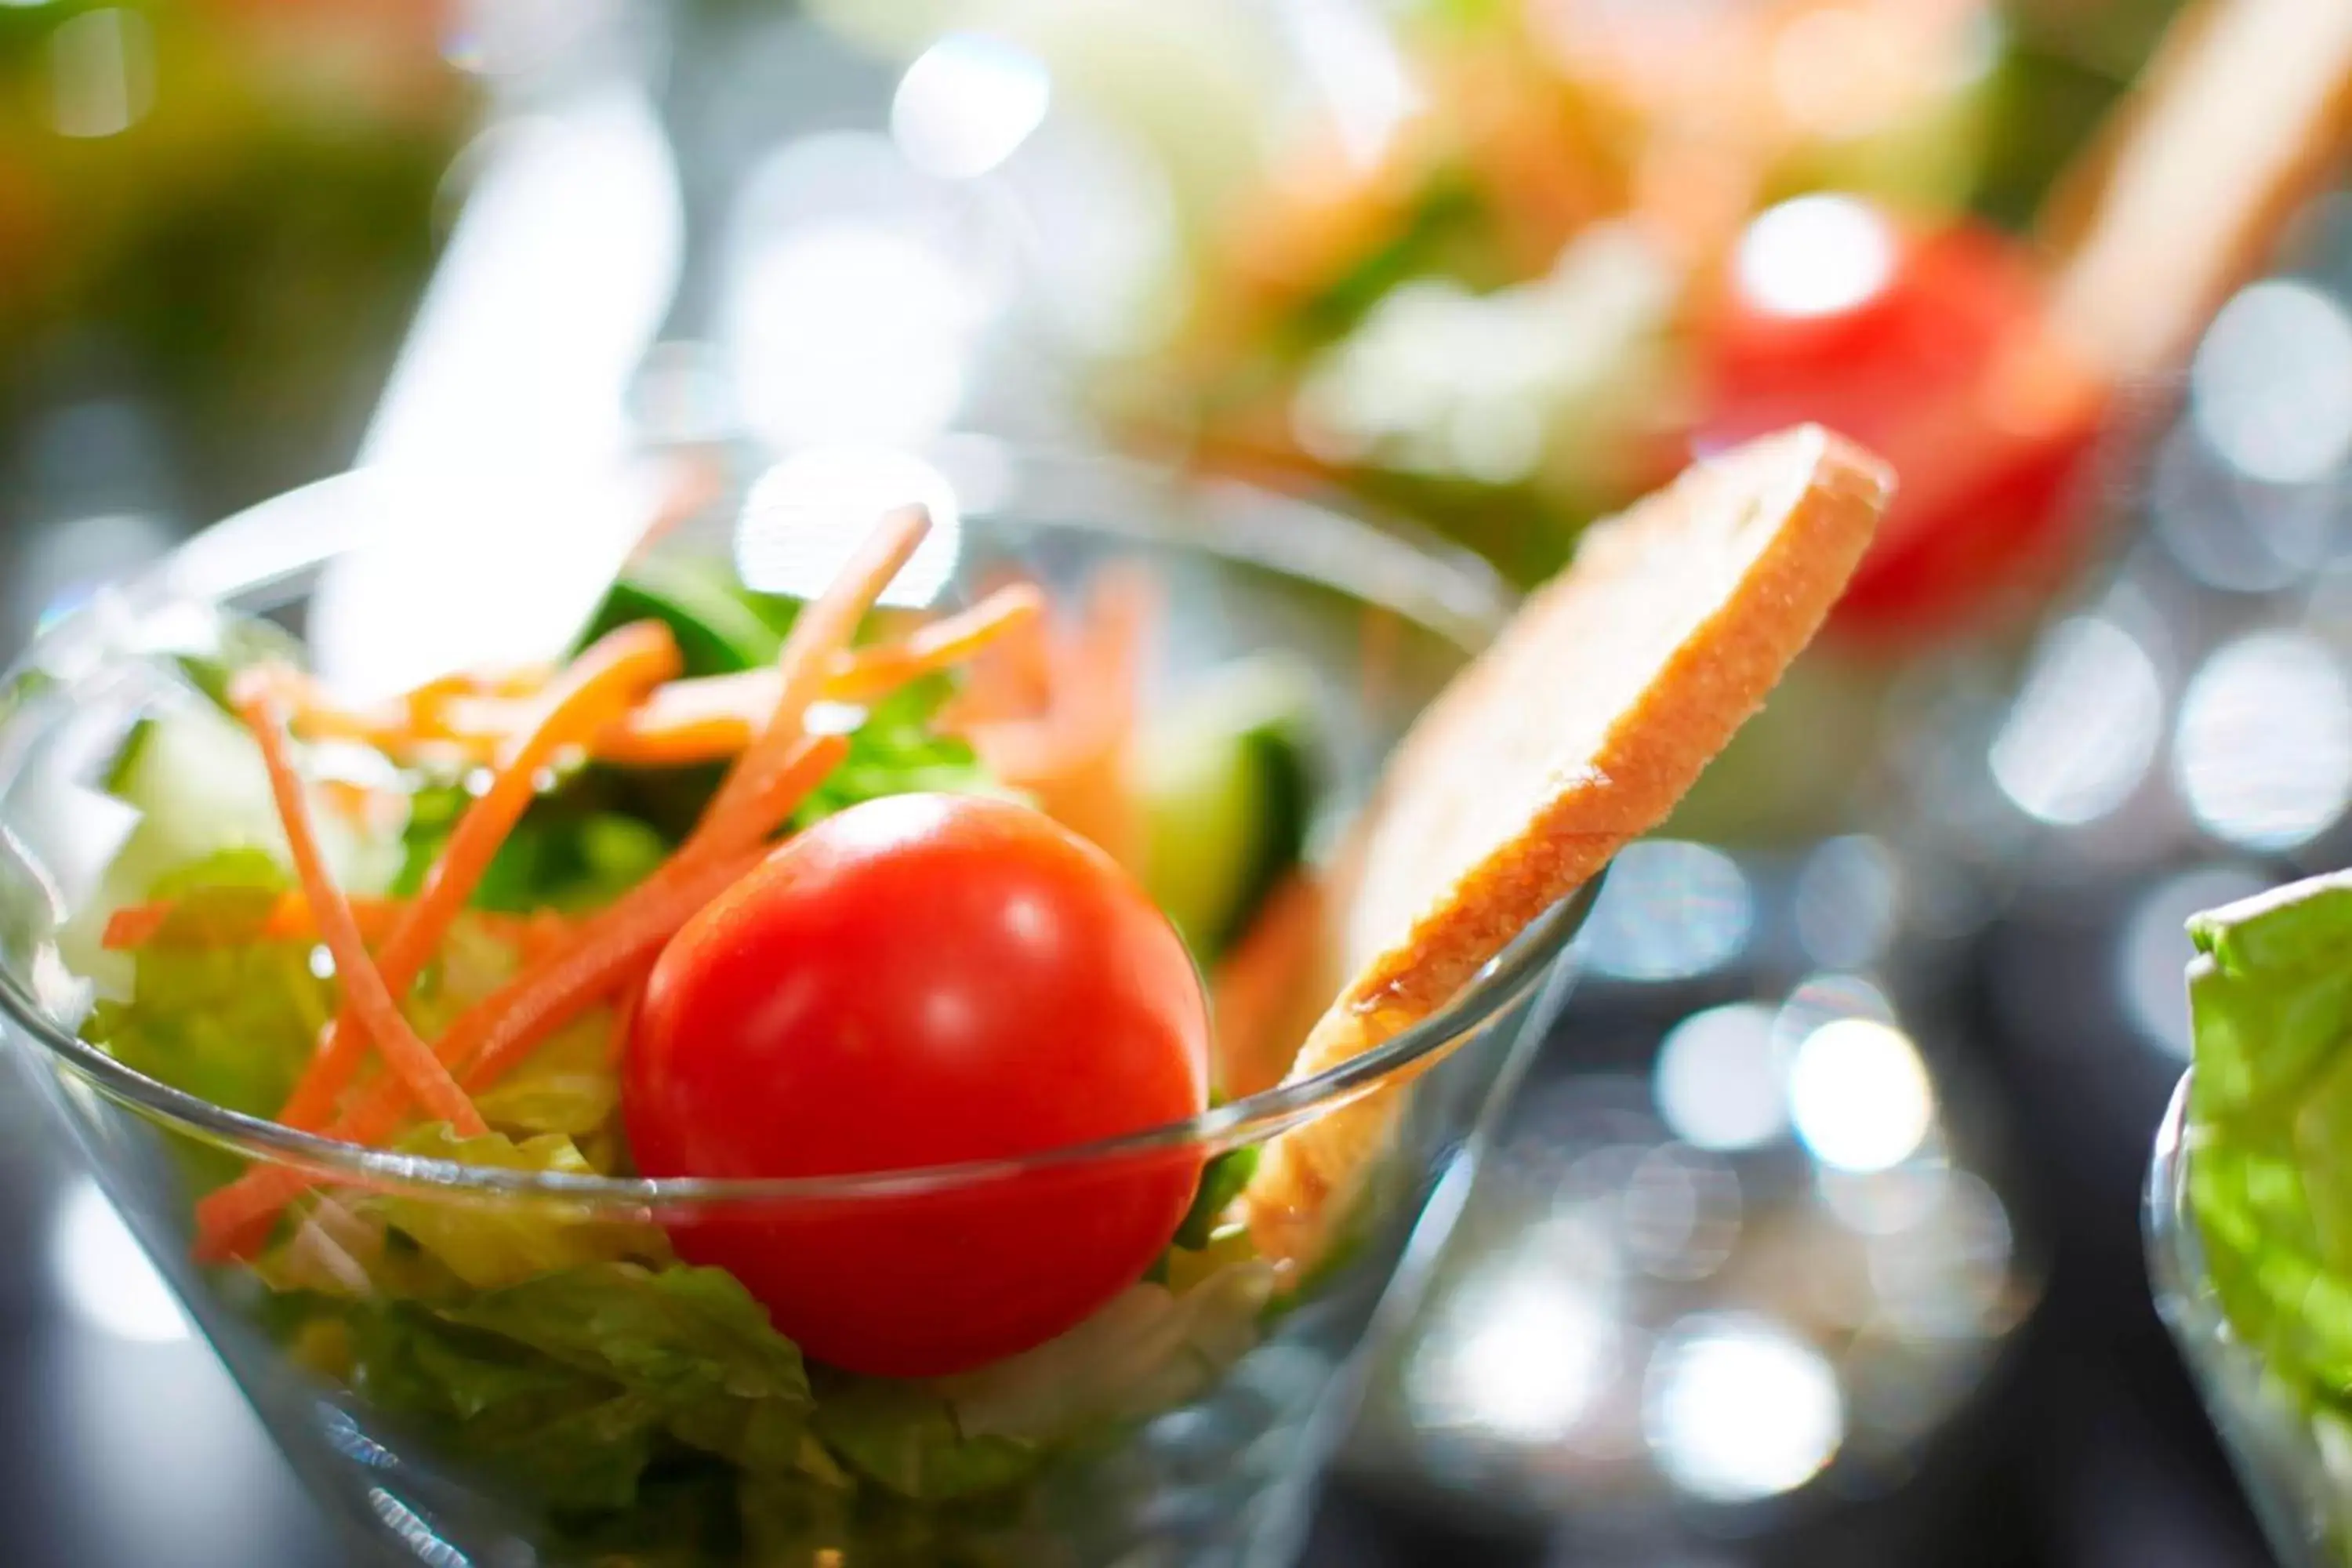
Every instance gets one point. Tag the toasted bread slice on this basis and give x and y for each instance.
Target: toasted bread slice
(2245, 114)
(1577, 732)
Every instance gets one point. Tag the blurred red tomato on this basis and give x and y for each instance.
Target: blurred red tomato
(1931, 348)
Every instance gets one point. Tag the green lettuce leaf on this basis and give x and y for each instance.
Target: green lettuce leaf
(214, 1009)
(490, 1243)
(561, 1439)
(569, 1385)
(568, 1084)
(905, 1438)
(2270, 1178)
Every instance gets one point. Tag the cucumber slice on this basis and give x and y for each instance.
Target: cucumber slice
(1227, 778)
(718, 628)
(199, 786)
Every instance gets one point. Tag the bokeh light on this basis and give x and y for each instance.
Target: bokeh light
(1815, 256)
(1669, 911)
(1739, 1409)
(2086, 726)
(2263, 749)
(1527, 1350)
(2270, 387)
(1859, 1095)
(1717, 1080)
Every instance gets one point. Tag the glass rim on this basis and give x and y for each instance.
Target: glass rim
(256, 551)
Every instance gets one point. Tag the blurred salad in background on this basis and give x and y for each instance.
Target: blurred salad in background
(224, 208)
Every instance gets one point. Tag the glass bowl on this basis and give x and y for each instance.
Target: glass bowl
(2295, 1465)
(1183, 1423)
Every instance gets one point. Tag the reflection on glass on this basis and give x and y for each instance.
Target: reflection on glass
(855, 296)
(101, 1275)
(2264, 750)
(968, 103)
(102, 72)
(805, 518)
(1535, 1346)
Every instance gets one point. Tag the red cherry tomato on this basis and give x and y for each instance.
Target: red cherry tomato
(922, 980)
(1931, 348)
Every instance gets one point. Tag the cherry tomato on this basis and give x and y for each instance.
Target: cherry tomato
(1931, 348)
(922, 980)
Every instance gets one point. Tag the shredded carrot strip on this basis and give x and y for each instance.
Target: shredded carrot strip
(491, 1037)
(868, 673)
(543, 931)
(236, 1219)
(320, 716)
(288, 919)
(1011, 678)
(1073, 757)
(1255, 991)
(707, 718)
(624, 1017)
(621, 666)
(821, 631)
(365, 992)
(716, 716)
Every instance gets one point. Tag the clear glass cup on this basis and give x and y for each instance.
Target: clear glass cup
(1208, 1405)
(2295, 1467)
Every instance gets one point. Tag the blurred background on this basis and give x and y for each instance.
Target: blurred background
(1814, 1238)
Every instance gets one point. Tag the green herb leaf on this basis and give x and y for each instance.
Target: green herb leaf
(1222, 1181)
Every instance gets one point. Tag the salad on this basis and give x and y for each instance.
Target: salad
(1594, 239)
(753, 1083)
(2266, 1181)
(532, 921)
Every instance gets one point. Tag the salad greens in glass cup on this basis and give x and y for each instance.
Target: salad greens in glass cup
(2248, 1203)
(496, 1348)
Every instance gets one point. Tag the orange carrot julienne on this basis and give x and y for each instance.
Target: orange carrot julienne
(499, 1030)
(363, 984)
(705, 718)
(624, 1018)
(288, 919)
(608, 948)
(1255, 991)
(600, 684)
(866, 673)
(716, 716)
(1073, 756)
(821, 631)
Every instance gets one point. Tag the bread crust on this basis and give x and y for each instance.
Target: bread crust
(1577, 732)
